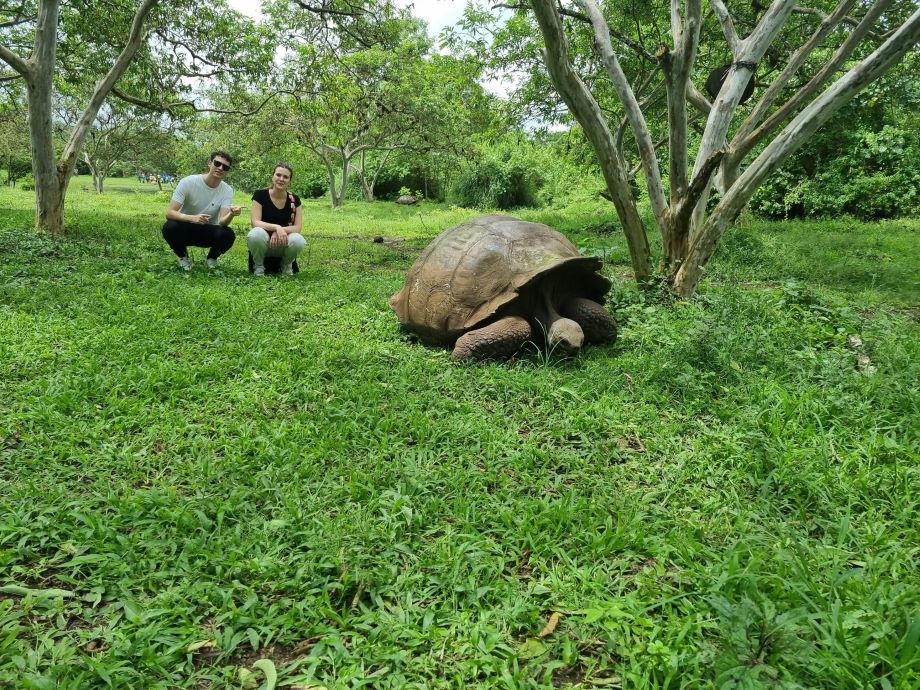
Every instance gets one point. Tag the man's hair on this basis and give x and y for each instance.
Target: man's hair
(222, 154)
(286, 166)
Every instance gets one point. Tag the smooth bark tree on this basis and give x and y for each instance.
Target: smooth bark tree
(52, 173)
(120, 133)
(369, 88)
(822, 60)
(94, 44)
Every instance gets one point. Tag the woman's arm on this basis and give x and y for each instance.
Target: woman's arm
(298, 221)
(255, 215)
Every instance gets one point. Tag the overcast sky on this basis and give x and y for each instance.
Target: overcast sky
(438, 13)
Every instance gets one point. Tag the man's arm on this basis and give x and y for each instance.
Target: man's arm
(227, 214)
(173, 213)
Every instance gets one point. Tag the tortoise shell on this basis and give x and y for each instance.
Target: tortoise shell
(482, 268)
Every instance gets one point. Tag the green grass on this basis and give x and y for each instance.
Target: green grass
(201, 472)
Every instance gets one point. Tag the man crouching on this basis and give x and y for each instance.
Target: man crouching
(200, 211)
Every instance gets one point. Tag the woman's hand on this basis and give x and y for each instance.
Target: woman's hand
(278, 238)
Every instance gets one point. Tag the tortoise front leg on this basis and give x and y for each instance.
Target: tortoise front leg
(499, 339)
(595, 321)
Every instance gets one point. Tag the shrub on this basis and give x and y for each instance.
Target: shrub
(493, 183)
(863, 164)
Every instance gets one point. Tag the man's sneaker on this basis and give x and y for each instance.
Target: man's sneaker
(287, 268)
(258, 271)
(212, 263)
(185, 263)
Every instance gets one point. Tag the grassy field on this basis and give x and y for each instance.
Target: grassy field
(212, 481)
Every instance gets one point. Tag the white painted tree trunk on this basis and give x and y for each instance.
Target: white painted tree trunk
(689, 238)
(51, 174)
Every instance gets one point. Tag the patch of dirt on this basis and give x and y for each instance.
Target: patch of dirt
(569, 676)
(281, 655)
(644, 564)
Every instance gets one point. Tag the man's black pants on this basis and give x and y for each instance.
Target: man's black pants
(180, 235)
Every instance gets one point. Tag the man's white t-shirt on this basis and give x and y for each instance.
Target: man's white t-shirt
(194, 197)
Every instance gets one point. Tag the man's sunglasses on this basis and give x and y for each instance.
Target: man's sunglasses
(222, 166)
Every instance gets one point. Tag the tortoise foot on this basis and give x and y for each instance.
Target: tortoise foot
(596, 322)
(499, 339)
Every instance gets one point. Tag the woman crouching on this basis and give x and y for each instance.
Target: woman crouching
(276, 222)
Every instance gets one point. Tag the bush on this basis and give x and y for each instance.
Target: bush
(862, 165)
(27, 183)
(490, 183)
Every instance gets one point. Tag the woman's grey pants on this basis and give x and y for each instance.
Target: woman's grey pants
(257, 239)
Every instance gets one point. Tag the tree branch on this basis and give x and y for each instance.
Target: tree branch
(170, 107)
(746, 140)
(325, 10)
(793, 136)
(626, 40)
(104, 86)
(728, 25)
(697, 188)
(631, 107)
(586, 110)
(14, 61)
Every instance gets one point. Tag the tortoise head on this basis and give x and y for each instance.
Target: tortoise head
(564, 334)
(561, 333)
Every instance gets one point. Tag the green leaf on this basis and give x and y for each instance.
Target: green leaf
(910, 641)
(531, 649)
(267, 667)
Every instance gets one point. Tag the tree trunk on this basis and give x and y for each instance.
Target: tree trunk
(49, 205)
(94, 172)
(50, 181)
(330, 177)
(52, 176)
(588, 113)
(346, 162)
(366, 185)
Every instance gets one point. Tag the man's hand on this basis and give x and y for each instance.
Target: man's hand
(235, 211)
(200, 218)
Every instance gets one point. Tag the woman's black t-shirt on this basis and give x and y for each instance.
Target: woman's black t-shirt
(283, 216)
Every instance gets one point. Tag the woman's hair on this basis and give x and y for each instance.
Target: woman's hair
(286, 166)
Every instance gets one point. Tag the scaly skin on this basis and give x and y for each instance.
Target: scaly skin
(499, 339)
(596, 322)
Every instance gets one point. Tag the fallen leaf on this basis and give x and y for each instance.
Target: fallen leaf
(531, 649)
(865, 365)
(202, 644)
(550, 625)
(854, 341)
(94, 646)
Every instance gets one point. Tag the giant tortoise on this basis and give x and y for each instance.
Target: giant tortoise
(489, 285)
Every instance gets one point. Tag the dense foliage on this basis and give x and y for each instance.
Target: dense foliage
(863, 163)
